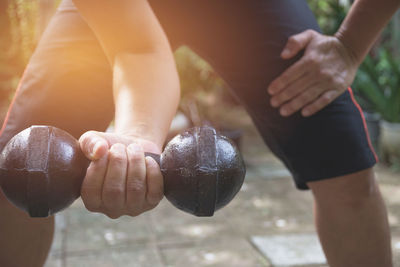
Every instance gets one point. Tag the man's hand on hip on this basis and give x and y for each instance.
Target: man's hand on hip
(323, 73)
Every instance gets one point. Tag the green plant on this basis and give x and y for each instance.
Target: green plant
(329, 14)
(377, 85)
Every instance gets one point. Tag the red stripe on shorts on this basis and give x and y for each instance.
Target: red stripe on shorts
(365, 124)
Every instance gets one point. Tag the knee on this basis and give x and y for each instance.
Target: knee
(352, 191)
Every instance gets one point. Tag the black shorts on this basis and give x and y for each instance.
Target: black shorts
(68, 81)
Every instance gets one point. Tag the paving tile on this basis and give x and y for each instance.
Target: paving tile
(53, 263)
(130, 256)
(271, 206)
(171, 225)
(290, 250)
(93, 231)
(396, 245)
(233, 252)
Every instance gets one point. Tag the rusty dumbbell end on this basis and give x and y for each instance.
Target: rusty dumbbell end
(42, 169)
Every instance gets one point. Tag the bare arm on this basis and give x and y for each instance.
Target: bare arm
(363, 24)
(120, 180)
(330, 63)
(146, 84)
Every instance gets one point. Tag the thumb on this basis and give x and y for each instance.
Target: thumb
(296, 43)
(93, 145)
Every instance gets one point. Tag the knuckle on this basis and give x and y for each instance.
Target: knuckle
(112, 215)
(90, 203)
(86, 138)
(278, 82)
(295, 104)
(150, 206)
(293, 40)
(322, 102)
(312, 61)
(338, 82)
(326, 99)
(307, 96)
(154, 198)
(330, 79)
(136, 186)
(285, 77)
(117, 157)
(289, 108)
(88, 194)
(292, 90)
(326, 75)
(92, 169)
(113, 192)
(134, 212)
(284, 96)
(136, 157)
(85, 193)
(309, 31)
(91, 207)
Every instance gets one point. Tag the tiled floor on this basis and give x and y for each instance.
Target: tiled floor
(268, 208)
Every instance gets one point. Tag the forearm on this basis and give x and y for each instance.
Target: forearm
(362, 25)
(145, 80)
(146, 94)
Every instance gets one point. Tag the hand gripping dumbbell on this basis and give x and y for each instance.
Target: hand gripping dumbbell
(42, 169)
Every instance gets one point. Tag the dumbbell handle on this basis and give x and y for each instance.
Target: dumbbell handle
(202, 171)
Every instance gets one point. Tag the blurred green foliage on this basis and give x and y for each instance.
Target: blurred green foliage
(329, 13)
(378, 85)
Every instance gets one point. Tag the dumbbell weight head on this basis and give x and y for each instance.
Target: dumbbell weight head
(202, 171)
(42, 169)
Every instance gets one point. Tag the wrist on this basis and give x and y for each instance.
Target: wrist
(144, 133)
(355, 57)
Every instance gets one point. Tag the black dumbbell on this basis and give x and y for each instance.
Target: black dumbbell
(42, 169)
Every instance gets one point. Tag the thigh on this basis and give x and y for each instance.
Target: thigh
(67, 83)
(242, 40)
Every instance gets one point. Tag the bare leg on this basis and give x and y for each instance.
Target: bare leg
(351, 221)
(24, 241)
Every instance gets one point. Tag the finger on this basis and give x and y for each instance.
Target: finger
(93, 183)
(155, 182)
(136, 180)
(290, 75)
(113, 194)
(93, 145)
(309, 95)
(324, 100)
(293, 89)
(296, 43)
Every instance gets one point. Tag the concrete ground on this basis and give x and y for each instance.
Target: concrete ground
(269, 223)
